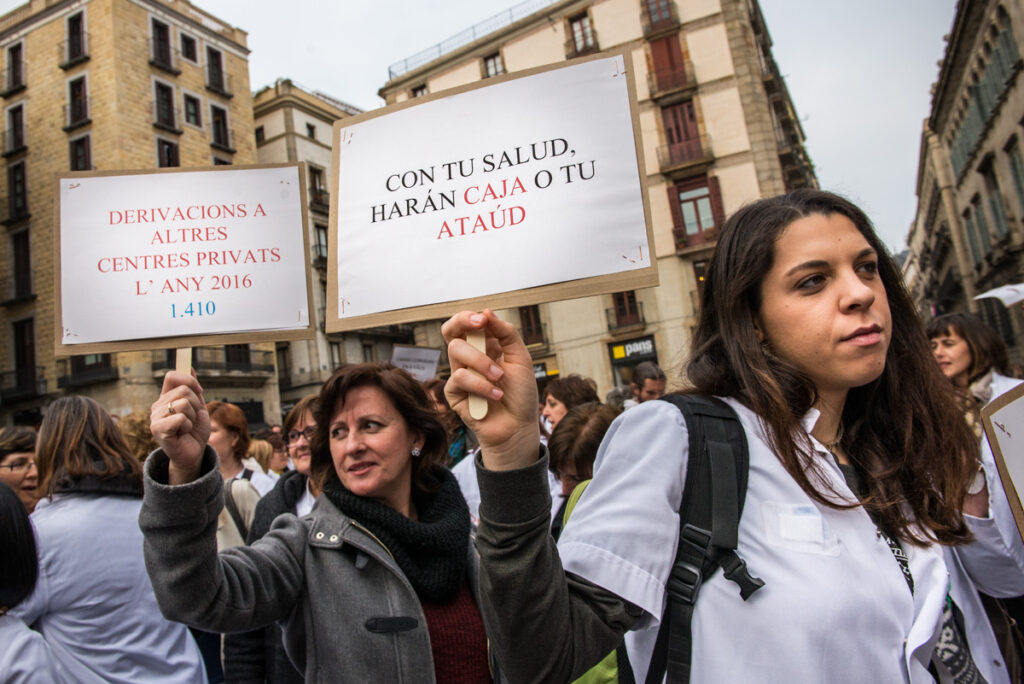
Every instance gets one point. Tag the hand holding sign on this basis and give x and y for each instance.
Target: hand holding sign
(509, 434)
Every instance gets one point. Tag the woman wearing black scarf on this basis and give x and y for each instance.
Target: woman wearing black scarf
(377, 583)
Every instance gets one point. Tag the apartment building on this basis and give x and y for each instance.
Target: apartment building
(968, 232)
(107, 85)
(295, 124)
(719, 129)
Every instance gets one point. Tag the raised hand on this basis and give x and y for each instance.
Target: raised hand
(509, 435)
(180, 424)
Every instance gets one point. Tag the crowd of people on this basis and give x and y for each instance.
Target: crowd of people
(384, 534)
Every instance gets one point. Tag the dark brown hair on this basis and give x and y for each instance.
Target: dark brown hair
(19, 563)
(306, 403)
(16, 440)
(988, 351)
(409, 399)
(577, 436)
(78, 439)
(231, 418)
(572, 390)
(904, 431)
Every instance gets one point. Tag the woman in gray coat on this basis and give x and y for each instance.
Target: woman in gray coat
(377, 583)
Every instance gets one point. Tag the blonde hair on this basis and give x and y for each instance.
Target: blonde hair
(261, 450)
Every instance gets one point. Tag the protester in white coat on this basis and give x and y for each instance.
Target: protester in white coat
(859, 466)
(93, 602)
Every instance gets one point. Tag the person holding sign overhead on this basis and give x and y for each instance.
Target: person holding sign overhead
(859, 463)
(376, 583)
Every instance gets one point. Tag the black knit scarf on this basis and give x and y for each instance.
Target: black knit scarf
(432, 551)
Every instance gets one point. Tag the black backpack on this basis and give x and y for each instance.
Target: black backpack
(713, 494)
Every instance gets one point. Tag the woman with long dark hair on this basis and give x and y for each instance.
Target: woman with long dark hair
(858, 473)
(93, 601)
(376, 583)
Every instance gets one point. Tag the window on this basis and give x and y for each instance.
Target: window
(166, 153)
(335, 348)
(164, 98)
(994, 313)
(284, 363)
(1017, 171)
(972, 237)
(982, 222)
(368, 354)
(260, 135)
(218, 161)
(192, 111)
(316, 184)
(76, 45)
(995, 202)
(583, 39)
(531, 327)
(321, 241)
(25, 354)
(162, 45)
(17, 191)
(237, 356)
(22, 264)
(627, 310)
(700, 271)
(189, 48)
(696, 210)
(215, 71)
(420, 90)
(493, 65)
(219, 127)
(15, 67)
(682, 134)
(311, 131)
(658, 11)
(81, 154)
(15, 128)
(78, 102)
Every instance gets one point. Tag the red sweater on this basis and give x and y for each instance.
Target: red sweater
(457, 640)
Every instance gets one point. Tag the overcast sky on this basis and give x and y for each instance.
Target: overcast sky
(859, 72)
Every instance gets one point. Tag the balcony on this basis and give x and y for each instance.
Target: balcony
(219, 82)
(16, 210)
(71, 375)
(163, 56)
(664, 82)
(321, 318)
(679, 158)
(22, 384)
(688, 240)
(229, 362)
(76, 114)
(535, 337)
(620, 321)
(319, 255)
(320, 200)
(18, 285)
(14, 141)
(14, 80)
(587, 45)
(73, 51)
(664, 19)
(166, 118)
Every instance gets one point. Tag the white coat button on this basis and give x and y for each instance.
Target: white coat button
(334, 537)
(319, 535)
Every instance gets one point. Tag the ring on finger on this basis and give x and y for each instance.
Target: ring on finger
(170, 408)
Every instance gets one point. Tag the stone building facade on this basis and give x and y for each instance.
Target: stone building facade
(719, 129)
(294, 124)
(106, 85)
(968, 233)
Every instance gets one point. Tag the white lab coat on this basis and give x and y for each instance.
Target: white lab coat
(24, 655)
(835, 606)
(93, 601)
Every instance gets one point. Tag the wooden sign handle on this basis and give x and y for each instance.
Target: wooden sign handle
(183, 360)
(477, 405)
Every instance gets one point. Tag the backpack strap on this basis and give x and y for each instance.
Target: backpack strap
(246, 474)
(713, 495)
(236, 516)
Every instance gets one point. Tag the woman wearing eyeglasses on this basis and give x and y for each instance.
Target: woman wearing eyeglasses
(259, 655)
(18, 463)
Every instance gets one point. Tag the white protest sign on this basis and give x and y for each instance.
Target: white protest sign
(421, 362)
(1004, 426)
(147, 258)
(517, 188)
